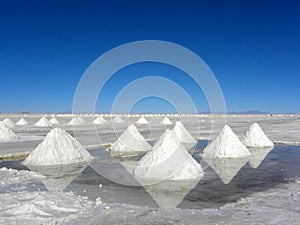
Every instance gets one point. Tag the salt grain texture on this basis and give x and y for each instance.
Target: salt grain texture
(58, 148)
(6, 134)
(226, 145)
(256, 137)
(169, 160)
(131, 140)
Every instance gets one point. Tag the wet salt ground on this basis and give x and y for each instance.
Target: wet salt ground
(279, 166)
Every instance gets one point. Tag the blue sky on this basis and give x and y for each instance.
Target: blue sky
(252, 47)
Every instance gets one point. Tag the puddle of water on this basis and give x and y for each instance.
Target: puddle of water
(224, 182)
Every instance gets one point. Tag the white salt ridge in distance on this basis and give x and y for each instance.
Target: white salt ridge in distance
(142, 120)
(256, 137)
(166, 121)
(43, 122)
(54, 121)
(99, 120)
(6, 134)
(58, 148)
(9, 123)
(169, 160)
(184, 136)
(226, 145)
(22, 122)
(77, 121)
(131, 140)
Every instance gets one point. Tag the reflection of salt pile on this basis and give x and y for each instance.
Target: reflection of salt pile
(131, 141)
(258, 155)
(54, 121)
(166, 121)
(58, 148)
(142, 120)
(226, 145)
(6, 134)
(22, 122)
(43, 122)
(169, 160)
(99, 120)
(170, 193)
(227, 168)
(58, 177)
(118, 119)
(9, 123)
(77, 121)
(256, 137)
(184, 136)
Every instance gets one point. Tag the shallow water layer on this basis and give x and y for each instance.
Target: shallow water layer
(223, 182)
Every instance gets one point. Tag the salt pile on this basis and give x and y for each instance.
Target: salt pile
(118, 119)
(99, 120)
(131, 141)
(226, 145)
(169, 160)
(58, 148)
(256, 137)
(9, 123)
(43, 122)
(166, 121)
(54, 121)
(142, 120)
(6, 134)
(184, 136)
(77, 121)
(22, 122)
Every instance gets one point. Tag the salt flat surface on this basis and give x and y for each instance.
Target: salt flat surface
(278, 205)
(24, 198)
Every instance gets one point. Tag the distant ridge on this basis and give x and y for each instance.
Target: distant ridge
(249, 112)
(244, 112)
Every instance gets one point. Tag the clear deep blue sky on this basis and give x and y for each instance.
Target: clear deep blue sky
(253, 48)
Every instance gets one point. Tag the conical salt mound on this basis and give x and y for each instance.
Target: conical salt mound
(77, 121)
(9, 123)
(131, 141)
(43, 122)
(58, 148)
(142, 120)
(6, 134)
(54, 121)
(22, 122)
(166, 121)
(226, 145)
(102, 118)
(256, 137)
(118, 119)
(184, 136)
(99, 120)
(169, 160)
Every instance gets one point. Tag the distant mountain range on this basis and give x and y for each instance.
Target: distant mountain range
(249, 112)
